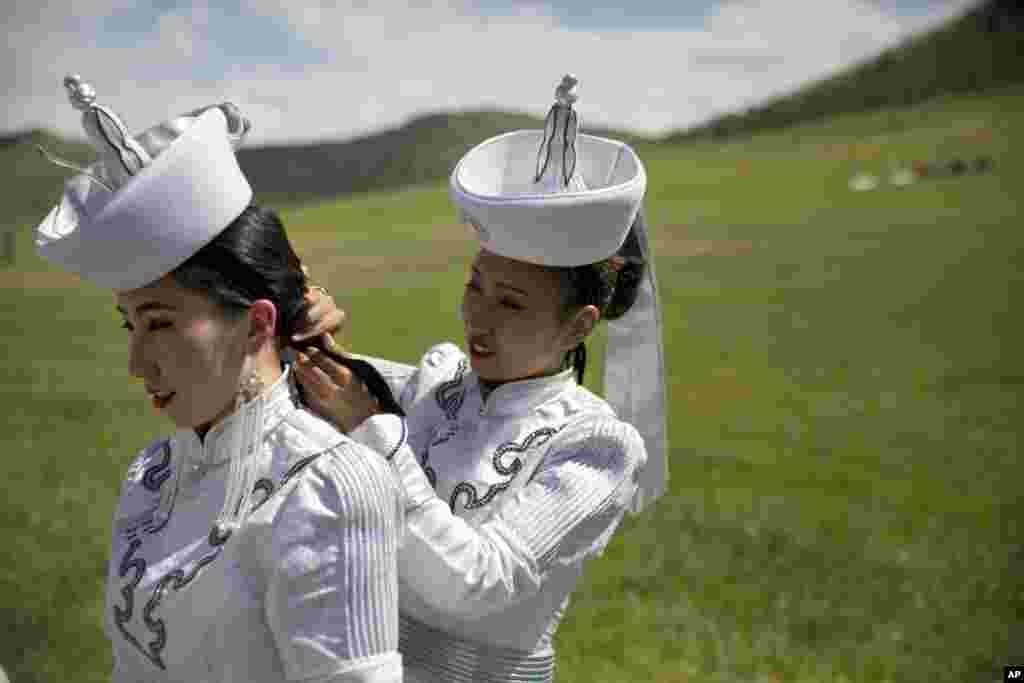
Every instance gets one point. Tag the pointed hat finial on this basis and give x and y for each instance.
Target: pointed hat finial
(121, 156)
(565, 93)
(556, 157)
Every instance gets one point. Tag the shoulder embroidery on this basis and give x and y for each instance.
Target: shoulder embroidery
(152, 478)
(156, 475)
(474, 500)
(176, 579)
(298, 467)
(266, 487)
(123, 614)
(451, 393)
(444, 433)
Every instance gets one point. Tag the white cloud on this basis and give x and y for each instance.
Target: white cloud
(175, 34)
(387, 60)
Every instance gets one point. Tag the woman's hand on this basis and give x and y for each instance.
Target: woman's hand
(323, 318)
(333, 392)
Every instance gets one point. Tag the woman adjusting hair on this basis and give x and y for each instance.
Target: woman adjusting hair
(257, 543)
(515, 475)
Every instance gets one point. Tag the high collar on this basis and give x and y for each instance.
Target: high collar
(524, 396)
(212, 449)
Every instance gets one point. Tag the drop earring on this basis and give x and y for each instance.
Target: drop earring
(252, 386)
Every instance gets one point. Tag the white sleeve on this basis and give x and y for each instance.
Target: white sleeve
(409, 383)
(332, 585)
(402, 379)
(564, 515)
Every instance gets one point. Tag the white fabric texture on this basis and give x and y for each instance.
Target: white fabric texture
(158, 219)
(304, 589)
(506, 500)
(493, 187)
(634, 377)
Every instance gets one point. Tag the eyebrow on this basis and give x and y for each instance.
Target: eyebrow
(150, 306)
(504, 285)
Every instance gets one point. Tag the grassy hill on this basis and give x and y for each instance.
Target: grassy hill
(845, 385)
(982, 50)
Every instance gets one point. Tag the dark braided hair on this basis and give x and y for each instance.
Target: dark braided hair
(611, 285)
(250, 259)
(253, 259)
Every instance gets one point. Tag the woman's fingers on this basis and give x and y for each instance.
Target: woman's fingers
(315, 390)
(331, 321)
(315, 379)
(322, 317)
(330, 344)
(340, 375)
(333, 391)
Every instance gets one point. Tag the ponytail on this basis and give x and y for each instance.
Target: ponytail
(611, 285)
(252, 259)
(579, 361)
(363, 371)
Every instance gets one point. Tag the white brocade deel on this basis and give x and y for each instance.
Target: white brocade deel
(510, 496)
(305, 587)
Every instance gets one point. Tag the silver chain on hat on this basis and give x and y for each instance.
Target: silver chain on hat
(561, 124)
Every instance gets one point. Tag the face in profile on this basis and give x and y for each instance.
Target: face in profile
(186, 350)
(513, 317)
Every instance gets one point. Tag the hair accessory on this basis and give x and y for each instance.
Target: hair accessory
(252, 386)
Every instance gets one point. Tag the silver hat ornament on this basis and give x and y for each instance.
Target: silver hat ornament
(120, 155)
(556, 157)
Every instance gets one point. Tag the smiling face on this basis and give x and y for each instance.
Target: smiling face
(514, 319)
(189, 353)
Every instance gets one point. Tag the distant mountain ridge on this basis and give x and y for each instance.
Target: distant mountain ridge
(980, 51)
(425, 149)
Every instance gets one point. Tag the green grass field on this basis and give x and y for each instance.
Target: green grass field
(844, 376)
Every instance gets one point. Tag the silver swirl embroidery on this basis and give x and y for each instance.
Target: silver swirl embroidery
(450, 394)
(153, 479)
(474, 500)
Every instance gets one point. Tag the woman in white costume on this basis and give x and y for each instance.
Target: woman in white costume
(515, 475)
(257, 543)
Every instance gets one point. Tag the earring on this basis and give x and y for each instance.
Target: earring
(252, 386)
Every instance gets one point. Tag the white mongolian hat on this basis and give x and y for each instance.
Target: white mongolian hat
(551, 196)
(151, 201)
(558, 198)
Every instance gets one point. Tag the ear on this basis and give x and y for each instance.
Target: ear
(262, 323)
(579, 327)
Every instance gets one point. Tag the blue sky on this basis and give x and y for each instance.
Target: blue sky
(311, 69)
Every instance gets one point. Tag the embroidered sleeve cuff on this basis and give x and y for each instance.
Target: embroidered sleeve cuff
(384, 434)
